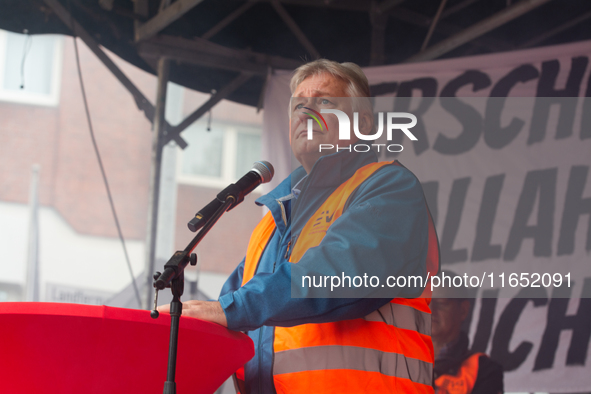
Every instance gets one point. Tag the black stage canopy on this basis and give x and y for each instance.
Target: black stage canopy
(212, 43)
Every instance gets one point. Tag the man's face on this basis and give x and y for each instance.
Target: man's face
(317, 92)
(447, 315)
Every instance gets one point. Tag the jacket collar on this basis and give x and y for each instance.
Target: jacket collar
(328, 172)
(283, 190)
(332, 170)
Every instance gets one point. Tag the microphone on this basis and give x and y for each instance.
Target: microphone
(261, 172)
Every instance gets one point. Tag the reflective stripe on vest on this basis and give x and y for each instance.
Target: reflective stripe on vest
(391, 352)
(463, 382)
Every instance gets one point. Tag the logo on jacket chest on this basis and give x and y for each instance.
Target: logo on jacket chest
(322, 221)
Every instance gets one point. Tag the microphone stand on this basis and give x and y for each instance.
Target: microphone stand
(173, 277)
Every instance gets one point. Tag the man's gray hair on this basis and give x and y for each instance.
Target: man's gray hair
(350, 73)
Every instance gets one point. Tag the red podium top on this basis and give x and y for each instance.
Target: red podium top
(69, 348)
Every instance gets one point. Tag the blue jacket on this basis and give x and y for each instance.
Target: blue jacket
(390, 230)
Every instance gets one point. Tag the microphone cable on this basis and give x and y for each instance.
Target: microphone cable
(100, 162)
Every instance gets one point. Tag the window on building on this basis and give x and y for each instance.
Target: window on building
(30, 68)
(219, 156)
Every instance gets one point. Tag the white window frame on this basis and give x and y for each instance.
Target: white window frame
(24, 97)
(229, 151)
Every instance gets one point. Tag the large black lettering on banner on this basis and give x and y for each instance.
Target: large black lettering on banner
(586, 117)
(457, 199)
(427, 89)
(540, 185)
(500, 336)
(482, 249)
(536, 203)
(575, 205)
(500, 351)
(546, 89)
(496, 136)
(468, 116)
(558, 320)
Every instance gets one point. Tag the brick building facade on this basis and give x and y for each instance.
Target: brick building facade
(57, 138)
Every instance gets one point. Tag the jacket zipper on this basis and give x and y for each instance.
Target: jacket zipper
(287, 250)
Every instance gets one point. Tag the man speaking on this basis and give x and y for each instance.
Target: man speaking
(341, 214)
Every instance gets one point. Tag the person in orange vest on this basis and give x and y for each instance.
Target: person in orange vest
(340, 215)
(458, 370)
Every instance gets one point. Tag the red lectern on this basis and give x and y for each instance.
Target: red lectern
(69, 348)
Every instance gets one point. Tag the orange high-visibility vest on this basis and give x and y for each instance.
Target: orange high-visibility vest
(463, 381)
(390, 350)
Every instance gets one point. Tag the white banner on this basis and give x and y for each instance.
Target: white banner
(503, 152)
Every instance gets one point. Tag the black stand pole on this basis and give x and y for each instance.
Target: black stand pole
(173, 277)
(176, 308)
